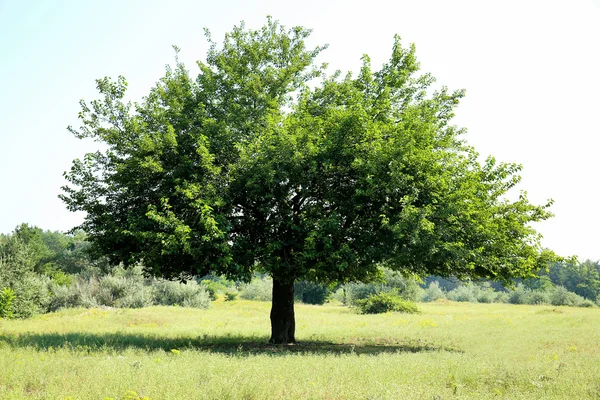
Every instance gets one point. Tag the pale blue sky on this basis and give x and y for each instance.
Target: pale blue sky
(530, 69)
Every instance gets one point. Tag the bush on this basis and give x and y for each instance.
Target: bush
(562, 297)
(484, 293)
(390, 282)
(310, 293)
(61, 278)
(81, 293)
(433, 292)
(386, 302)
(518, 295)
(502, 297)
(7, 297)
(338, 295)
(32, 296)
(355, 292)
(231, 295)
(138, 299)
(587, 303)
(406, 287)
(259, 289)
(63, 297)
(213, 288)
(188, 294)
(464, 293)
(87, 292)
(537, 297)
(112, 289)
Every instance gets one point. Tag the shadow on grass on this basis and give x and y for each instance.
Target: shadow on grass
(231, 345)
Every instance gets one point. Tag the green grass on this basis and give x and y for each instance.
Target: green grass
(450, 350)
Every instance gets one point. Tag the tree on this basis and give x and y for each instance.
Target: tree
(248, 167)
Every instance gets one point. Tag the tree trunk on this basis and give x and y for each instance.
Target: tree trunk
(283, 323)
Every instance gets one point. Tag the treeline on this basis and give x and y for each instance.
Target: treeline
(42, 271)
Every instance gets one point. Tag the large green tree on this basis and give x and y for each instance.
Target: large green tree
(249, 167)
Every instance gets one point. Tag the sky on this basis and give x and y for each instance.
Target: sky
(531, 70)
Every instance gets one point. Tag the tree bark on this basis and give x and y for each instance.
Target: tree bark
(283, 323)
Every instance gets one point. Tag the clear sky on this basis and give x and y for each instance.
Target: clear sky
(531, 70)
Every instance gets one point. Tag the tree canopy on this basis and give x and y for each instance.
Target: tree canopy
(265, 162)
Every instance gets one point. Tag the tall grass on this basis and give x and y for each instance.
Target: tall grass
(450, 350)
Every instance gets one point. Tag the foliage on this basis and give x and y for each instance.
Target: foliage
(484, 293)
(251, 167)
(562, 297)
(231, 295)
(7, 297)
(228, 171)
(338, 296)
(16, 260)
(433, 292)
(50, 252)
(386, 281)
(386, 302)
(127, 291)
(259, 289)
(538, 297)
(587, 303)
(66, 297)
(189, 294)
(518, 295)
(213, 288)
(354, 292)
(32, 296)
(465, 293)
(61, 278)
(582, 278)
(311, 293)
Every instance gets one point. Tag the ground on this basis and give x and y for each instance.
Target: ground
(450, 350)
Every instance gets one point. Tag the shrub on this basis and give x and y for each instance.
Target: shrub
(412, 291)
(215, 286)
(390, 282)
(502, 297)
(63, 297)
(259, 289)
(138, 299)
(7, 297)
(231, 295)
(464, 293)
(484, 293)
(114, 288)
(562, 297)
(386, 302)
(433, 292)
(359, 291)
(188, 294)
(537, 297)
(32, 296)
(587, 303)
(518, 295)
(310, 293)
(338, 295)
(87, 292)
(81, 293)
(61, 278)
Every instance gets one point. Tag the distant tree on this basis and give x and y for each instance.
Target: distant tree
(582, 278)
(31, 238)
(247, 167)
(16, 260)
(54, 251)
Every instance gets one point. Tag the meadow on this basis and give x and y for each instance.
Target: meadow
(449, 350)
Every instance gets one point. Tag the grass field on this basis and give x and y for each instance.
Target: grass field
(450, 350)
